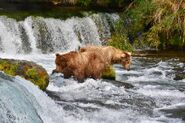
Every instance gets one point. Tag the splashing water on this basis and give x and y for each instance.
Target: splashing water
(99, 101)
(48, 35)
(155, 98)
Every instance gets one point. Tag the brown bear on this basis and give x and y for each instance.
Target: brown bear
(81, 65)
(110, 55)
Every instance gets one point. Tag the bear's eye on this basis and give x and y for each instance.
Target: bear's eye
(57, 63)
(63, 63)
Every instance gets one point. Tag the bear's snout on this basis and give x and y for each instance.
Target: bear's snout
(54, 71)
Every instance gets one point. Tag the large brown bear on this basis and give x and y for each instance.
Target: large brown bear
(110, 55)
(81, 65)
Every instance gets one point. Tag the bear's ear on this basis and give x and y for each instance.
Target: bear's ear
(123, 55)
(128, 54)
(57, 54)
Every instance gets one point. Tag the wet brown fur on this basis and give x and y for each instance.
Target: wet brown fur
(81, 65)
(110, 55)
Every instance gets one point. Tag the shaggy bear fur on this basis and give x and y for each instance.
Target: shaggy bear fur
(81, 65)
(110, 55)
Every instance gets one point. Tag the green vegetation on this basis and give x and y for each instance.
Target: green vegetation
(159, 23)
(112, 3)
(20, 9)
(37, 77)
(8, 68)
(120, 41)
(54, 13)
(28, 70)
(105, 3)
(109, 73)
(84, 2)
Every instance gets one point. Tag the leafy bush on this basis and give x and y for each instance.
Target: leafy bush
(120, 41)
(162, 22)
(84, 2)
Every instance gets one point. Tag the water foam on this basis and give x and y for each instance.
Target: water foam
(47, 35)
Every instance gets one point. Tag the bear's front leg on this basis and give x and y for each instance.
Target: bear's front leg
(79, 75)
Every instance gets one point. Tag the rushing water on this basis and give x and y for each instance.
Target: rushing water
(46, 35)
(157, 97)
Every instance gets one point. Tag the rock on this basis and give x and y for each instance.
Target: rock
(179, 76)
(119, 83)
(175, 111)
(26, 69)
(109, 73)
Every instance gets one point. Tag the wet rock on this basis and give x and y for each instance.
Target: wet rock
(119, 83)
(179, 76)
(109, 73)
(177, 111)
(26, 69)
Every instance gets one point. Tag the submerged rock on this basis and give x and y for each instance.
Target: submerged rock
(179, 76)
(175, 111)
(26, 69)
(120, 83)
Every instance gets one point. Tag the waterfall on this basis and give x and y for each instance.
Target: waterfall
(10, 39)
(49, 35)
(23, 102)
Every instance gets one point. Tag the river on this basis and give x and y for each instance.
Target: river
(158, 96)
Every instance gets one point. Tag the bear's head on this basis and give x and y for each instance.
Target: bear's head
(124, 58)
(62, 61)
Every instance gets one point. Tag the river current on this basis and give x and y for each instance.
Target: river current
(156, 97)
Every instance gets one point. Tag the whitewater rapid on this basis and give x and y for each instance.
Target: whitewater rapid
(98, 101)
(156, 97)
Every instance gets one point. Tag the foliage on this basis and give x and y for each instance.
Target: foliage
(54, 13)
(84, 2)
(27, 70)
(162, 22)
(109, 73)
(33, 75)
(120, 41)
(169, 19)
(8, 68)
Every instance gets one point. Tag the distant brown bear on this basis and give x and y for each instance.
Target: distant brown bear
(110, 55)
(80, 65)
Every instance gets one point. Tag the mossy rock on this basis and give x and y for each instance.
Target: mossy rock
(109, 73)
(26, 69)
(179, 76)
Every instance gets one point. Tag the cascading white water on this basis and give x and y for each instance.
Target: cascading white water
(48, 35)
(29, 33)
(105, 24)
(94, 101)
(10, 39)
(97, 101)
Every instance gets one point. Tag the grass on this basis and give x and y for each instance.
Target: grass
(52, 13)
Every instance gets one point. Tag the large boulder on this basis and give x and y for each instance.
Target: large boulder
(26, 69)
